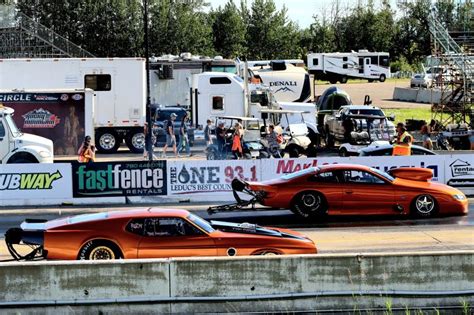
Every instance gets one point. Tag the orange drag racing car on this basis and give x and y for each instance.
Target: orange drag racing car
(149, 233)
(340, 189)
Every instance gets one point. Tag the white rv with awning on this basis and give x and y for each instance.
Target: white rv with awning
(363, 64)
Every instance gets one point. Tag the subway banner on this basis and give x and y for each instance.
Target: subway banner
(119, 179)
(197, 178)
(35, 181)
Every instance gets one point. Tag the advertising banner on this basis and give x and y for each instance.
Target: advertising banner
(35, 181)
(56, 116)
(209, 177)
(459, 172)
(119, 179)
(276, 167)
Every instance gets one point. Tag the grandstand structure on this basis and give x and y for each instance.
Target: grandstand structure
(454, 51)
(23, 37)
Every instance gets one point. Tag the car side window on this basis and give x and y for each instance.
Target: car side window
(415, 151)
(2, 130)
(324, 177)
(361, 177)
(163, 227)
(136, 226)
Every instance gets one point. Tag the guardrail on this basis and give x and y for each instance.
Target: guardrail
(241, 284)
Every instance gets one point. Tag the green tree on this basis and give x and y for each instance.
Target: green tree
(270, 35)
(180, 26)
(229, 31)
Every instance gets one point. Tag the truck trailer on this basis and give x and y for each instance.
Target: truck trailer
(119, 85)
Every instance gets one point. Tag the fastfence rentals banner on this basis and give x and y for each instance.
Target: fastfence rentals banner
(119, 179)
(35, 181)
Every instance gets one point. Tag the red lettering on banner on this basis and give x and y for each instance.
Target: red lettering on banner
(289, 166)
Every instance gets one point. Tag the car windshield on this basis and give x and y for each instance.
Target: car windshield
(88, 217)
(289, 176)
(383, 174)
(203, 224)
(374, 112)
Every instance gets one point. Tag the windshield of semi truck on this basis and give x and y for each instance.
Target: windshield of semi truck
(12, 126)
(259, 97)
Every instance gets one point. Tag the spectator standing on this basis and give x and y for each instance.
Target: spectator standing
(183, 136)
(273, 145)
(426, 131)
(220, 139)
(403, 142)
(86, 152)
(170, 136)
(207, 132)
(237, 142)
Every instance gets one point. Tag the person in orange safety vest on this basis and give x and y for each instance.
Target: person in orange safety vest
(402, 146)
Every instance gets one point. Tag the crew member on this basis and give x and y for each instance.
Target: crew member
(403, 142)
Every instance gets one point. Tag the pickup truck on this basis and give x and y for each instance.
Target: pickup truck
(335, 124)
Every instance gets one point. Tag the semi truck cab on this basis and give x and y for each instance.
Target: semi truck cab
(18, 147)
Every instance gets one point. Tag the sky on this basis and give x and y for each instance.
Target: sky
(301, 11)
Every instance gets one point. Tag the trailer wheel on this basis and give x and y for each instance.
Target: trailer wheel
(343, 79)
(371, 80)
(107, 141)
(333, 81)
(136, 142)
(293, 151)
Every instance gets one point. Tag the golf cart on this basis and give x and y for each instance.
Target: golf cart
(363, 131)
(291, 124)
(251, 144)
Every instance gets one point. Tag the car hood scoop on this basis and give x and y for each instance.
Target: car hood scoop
(246, 228)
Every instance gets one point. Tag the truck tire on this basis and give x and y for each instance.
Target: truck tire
(136, 142)
(333, 81)
(22, 158)
(293, 151)
(382, 78)
(107, 141)
(343, 79)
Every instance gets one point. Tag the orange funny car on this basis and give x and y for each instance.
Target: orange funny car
(149, 233)
(349, 189)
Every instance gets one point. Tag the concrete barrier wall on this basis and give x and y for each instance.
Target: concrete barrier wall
(429, 96)
(288, 283)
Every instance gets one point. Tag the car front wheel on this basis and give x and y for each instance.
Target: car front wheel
(424, 206)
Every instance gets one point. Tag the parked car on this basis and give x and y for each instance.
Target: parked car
(432, 76)
(161, 115)
(387, 149)
(150, 233)
(350, 189)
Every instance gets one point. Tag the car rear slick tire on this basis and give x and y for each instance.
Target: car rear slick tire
(424, 206)
(99, 250)
(309, 204)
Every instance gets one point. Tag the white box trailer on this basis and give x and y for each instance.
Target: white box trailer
(119, 85)
(340, 67)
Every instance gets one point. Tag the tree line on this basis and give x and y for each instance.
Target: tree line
(256, 30)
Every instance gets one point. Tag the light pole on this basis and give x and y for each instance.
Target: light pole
(148, 135)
